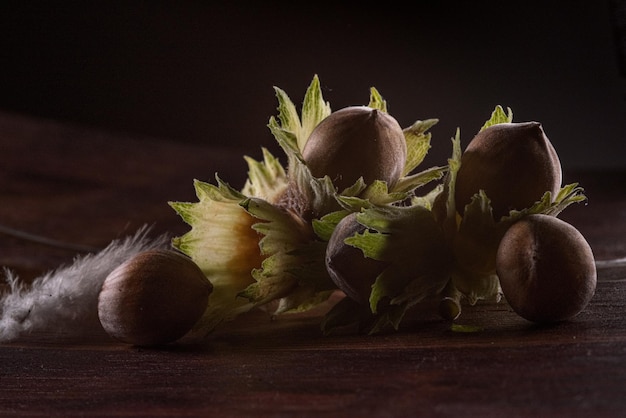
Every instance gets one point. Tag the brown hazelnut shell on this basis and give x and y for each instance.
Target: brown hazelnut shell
(154, 298)
(514, 163)
(356, 141)
(546, 269)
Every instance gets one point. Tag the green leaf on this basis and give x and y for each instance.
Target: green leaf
(478, 237)
(314, 110)
(377, 101)
(295, 259)
(378, 194)
(387, 284)
(287, 113)
(287, 140)
(356, 189)
(476, 242)
(410, 241)
(371, 243)
(567, 195)
(428, 200)
(273, 281)
(498, 116)
(475, 246)
(391, 317)
(414, 181)
(449, 224)
(466, 328)
(280, 231)
(224, 302)
(325, 226)
(291, 131)
(223, 244)
(418, 143)
(302, 299)
(266, 179)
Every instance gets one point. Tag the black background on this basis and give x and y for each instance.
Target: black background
(205, 71)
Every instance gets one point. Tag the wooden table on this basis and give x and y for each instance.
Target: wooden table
(88, 188)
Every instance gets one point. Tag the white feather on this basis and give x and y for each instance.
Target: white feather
(66, 300)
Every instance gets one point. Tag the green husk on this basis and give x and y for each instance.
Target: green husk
(258, 250)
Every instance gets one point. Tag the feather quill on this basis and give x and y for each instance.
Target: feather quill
(65, 300)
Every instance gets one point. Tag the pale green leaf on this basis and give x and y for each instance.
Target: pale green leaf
(302, 299)
(378, 194)
(567, 195)
(287, 113)
(295, 259)
(267, 179)
(314, 110)
(356, 189)
(325, 226)
(353, 203)
(449, 224)
(418, 143)
(223, 244)
(377, 101)
(498, 116)
(429, 198)
(287, 140)
(414, 181)
(466, 328)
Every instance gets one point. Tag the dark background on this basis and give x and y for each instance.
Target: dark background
(205, 71)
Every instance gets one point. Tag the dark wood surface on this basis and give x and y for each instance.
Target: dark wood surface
(88, 188)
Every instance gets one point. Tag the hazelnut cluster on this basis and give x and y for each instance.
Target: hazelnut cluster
(347, 214)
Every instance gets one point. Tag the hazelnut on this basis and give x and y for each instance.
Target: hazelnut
(348, 267)
(514, 163)
(154, 298)
(546, 269)
(355, 142)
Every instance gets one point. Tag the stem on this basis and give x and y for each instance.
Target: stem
(6, 230)
(450, 304)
